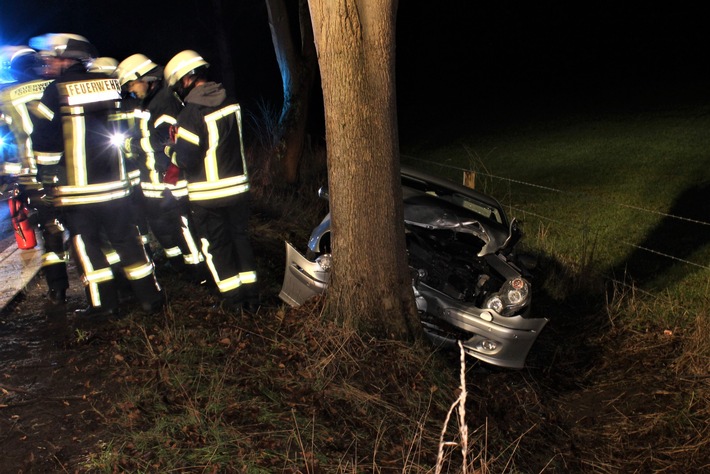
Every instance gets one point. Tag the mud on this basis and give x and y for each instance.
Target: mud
(52, 383)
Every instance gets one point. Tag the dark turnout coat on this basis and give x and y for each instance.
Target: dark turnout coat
(78, 113)
(209, 147)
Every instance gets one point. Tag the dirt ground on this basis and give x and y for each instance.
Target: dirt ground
(53, 391)
(58, 374)
(53, 388)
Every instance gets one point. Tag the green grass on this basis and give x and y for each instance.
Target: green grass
(591, 189)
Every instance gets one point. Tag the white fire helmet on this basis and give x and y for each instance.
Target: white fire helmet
(18, 63)
(135, 67)
(182, 64)
(10, 53)
(64, 45)
(104, 64)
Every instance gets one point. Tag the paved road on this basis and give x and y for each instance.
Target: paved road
(5, 226)
(17, 267)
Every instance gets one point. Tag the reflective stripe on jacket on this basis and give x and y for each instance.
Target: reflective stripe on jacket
(209, 147)
(76, 133)
(150, 136)
(19, 103)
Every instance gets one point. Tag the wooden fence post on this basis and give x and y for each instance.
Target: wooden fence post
(469, 179)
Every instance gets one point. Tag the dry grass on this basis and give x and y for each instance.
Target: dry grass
(283, 391)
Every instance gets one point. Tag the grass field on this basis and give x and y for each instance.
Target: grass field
(621, 192)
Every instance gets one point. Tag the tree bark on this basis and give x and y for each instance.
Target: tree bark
(298, 70)
(370, 288)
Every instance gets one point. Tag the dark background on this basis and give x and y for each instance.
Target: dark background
(456, 59)
(158, 29)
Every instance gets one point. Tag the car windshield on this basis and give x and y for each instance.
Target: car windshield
(488, 212)
(484, 207)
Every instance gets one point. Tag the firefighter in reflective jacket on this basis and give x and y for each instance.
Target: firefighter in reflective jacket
(92, 185)
(210, 150)
(127, 122)
(163, 191)
(19, 103)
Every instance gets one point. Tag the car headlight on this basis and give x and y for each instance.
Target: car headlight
(325, 262)
(513, 295)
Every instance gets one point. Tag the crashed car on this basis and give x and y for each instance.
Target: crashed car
(469, 283)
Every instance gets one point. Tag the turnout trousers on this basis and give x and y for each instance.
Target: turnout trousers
(51, 223)
(169, 221)
(56, 254)
(225, 244)
(139, 217)
(90, 225)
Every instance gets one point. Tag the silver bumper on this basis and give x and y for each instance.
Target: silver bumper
(302, 278)
(498, 340)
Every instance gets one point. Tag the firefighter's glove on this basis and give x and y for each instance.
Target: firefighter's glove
(33, 216)
(172, 174)
(47, 197)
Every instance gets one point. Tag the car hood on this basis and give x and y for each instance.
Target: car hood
(432, 213)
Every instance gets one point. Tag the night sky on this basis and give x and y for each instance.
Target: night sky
(461, 56)
(158, 29)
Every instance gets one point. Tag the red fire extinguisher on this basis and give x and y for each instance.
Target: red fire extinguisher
(24, 233)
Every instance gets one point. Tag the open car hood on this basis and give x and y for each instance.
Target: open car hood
(432, 213)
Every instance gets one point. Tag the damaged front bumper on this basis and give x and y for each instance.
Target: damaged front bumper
(486, 335)
(302, 278)
(503, 341)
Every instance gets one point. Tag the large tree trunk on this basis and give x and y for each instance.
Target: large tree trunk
(298, 70)
(370, 288)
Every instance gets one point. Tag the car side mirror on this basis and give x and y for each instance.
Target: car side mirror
(323, 192)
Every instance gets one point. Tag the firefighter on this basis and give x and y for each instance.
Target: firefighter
(126, 119)
(91, 185)
(108, 65)
(19, 103)
(163, 191)
(210, 150)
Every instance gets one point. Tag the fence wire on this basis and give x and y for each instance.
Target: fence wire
(566, 224)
